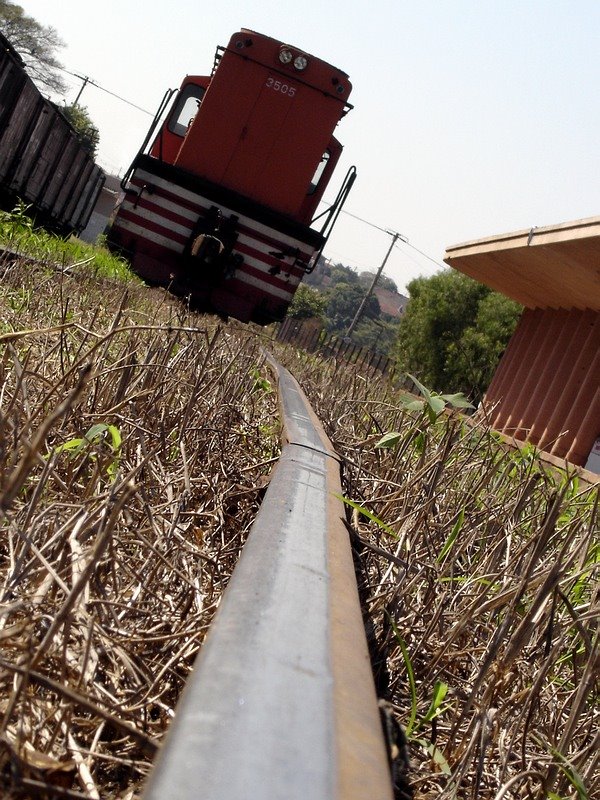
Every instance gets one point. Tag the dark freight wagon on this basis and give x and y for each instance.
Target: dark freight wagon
(42, 160)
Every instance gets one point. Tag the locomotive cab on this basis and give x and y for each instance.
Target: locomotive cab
(167, 143)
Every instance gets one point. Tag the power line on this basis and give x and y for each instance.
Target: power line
(433, 260)
(400, 237)
(371, 224)
(89, 81)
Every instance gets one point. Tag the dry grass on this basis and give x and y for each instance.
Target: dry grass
(134, 438)
(480, 587)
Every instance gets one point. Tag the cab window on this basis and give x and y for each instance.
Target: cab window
(185, 108)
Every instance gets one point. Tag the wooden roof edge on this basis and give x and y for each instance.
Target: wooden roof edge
(564, 231)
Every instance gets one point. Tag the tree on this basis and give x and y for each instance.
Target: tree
(79, 118)
(377, 335)
(474, 357)
(343, 302)
(384, 282)
(307, 303)
(453, 332)
(35, 43)
(342, 274)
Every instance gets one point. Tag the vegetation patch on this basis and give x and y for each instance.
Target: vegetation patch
(134, 438)
(20, 238)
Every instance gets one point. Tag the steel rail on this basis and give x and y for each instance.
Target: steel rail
(281, 702)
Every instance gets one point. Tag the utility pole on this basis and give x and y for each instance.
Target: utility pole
(395, 236)
(85, 80)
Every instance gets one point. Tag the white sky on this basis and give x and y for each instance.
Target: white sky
(471, 117)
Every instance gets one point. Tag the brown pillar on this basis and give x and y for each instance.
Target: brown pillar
(582, 352)
(533, 387)
(501, 379)
(532, 336)
(589, 430)
(579, 412)
(573, 335)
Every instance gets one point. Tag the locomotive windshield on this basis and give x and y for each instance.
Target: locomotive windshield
(185, 108)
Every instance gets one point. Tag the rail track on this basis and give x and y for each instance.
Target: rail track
(281, 703)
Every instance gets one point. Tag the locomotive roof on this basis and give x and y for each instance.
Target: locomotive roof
(557, 266)
(279, 43)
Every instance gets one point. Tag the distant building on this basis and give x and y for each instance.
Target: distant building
(546, 389)
(390, 302)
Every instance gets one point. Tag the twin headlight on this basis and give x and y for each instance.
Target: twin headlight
(286, 56)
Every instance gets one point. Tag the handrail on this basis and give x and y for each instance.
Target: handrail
(281, 702)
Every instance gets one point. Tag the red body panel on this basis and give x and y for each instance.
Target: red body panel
(262, 127)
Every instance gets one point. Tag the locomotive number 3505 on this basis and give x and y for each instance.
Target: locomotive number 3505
(278, 86)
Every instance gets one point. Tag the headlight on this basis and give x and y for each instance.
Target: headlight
(285, 55)
(301, 62)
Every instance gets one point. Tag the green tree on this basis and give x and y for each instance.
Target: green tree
(80, 119)
(307, 303)
(377, 335)
(384, 282)
(35, 43)
(454, 332)
(342, 274)
(343, 302)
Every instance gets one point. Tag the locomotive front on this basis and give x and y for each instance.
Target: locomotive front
(219, 208)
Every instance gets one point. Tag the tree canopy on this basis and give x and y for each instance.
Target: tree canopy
(384, 282)
(343, 302)
(454, 332)
(79, 118)
(35, 43)
(307, 303)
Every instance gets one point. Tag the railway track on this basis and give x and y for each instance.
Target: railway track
(281, 703)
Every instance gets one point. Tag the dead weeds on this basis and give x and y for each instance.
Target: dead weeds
(479, 571)
(133, 437)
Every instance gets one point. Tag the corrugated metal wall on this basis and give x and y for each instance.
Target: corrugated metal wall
(546, 389)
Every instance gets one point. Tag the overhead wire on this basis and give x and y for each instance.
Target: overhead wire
(113, 94)
(401, 238)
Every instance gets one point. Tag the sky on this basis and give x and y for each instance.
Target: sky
(471, 117)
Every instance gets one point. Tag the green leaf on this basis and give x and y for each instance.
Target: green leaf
(260, 383)
(115, 435)
(440, 691)
(368, 514)
(96, 431)
(72, 444)
(412, 405)
(389, 440)
(451, 539)
(437, 404)
(457, 400)
(436, 756)
(420, 443)
(410, 674)
(424, 391)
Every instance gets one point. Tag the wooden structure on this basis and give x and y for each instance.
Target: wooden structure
(546, 389)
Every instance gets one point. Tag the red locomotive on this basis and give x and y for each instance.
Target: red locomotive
(219, 202)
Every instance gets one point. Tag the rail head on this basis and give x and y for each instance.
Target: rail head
(281, 703)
